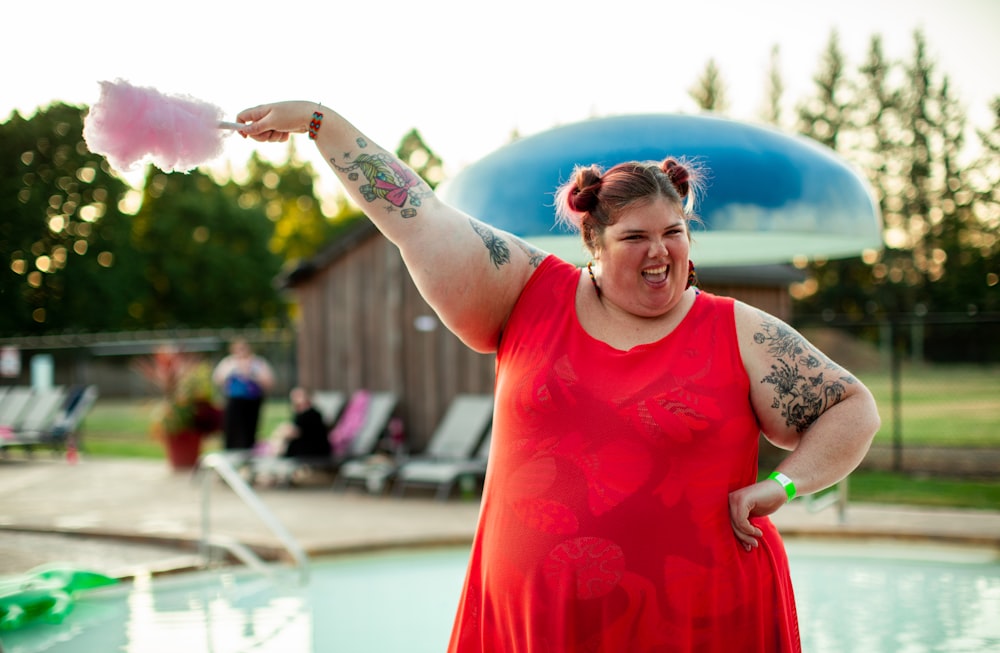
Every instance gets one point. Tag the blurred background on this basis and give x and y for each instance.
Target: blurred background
(101, 267)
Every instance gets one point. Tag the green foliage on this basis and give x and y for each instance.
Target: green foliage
(414, 152)
(205, 260)
(62, 254)
(286, 194)
(198, 253)
(710, 90)
(900, 123)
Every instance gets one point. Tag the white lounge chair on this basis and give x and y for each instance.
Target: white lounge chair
(456, 438)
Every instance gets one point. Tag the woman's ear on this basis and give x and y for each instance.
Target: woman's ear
(590, 239)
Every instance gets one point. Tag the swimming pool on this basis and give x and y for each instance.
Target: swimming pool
(868, 596)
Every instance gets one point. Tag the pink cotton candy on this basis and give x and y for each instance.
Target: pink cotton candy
(129, 123)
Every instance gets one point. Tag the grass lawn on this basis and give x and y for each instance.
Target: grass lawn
(941, 406)
(953, 406)
(121, 427)
(919, 490)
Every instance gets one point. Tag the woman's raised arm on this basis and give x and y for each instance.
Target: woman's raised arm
(469, 272)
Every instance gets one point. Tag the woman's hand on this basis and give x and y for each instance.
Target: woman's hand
(758, 500)
(274, 123)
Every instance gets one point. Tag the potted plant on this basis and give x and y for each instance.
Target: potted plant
(187, 410)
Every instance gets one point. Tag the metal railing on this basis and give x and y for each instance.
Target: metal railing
(222, 465)
(836, 496)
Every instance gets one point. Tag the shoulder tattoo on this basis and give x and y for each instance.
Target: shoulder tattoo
(806, 383)
(535, 255)
(498, 249)
(385, 178)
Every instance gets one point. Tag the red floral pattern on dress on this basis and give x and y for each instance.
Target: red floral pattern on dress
(592, 564)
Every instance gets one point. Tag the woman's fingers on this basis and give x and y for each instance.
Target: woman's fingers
(253, 115)
(744, 504)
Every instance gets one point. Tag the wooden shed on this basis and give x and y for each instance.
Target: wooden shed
(363, 325)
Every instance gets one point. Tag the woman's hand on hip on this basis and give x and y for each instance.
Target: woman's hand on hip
(757, 500)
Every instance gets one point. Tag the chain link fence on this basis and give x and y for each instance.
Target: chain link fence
(936, 378)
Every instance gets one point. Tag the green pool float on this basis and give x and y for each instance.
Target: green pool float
(44, 593)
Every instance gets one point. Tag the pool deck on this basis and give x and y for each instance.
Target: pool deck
(123, 517)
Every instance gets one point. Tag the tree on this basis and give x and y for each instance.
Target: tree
(287, 195)
(205, 258)
(61, 236)
(902, 126)
(844, 285)
(771, 113)
(823, 117)
(414, 152)
(710, 90)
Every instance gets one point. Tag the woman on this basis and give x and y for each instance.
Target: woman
(245, 379)
(622, 510)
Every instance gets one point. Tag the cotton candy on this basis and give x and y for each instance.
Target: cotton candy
(130, 123)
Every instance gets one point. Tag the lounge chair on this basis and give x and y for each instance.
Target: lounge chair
(329, 403)
(14, 402)
(69, 422)
(456, 438)
(50, 417)
(40, 413)
(381, 407)
(362, 423)
(443, 474)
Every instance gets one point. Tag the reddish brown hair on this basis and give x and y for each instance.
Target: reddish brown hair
(593, 198)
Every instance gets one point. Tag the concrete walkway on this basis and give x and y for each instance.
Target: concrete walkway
(121, 516)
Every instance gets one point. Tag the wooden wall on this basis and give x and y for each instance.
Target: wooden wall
(358, 330)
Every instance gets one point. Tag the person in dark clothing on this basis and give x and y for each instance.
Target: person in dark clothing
(307, 434)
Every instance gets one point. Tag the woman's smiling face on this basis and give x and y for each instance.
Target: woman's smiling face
(643, 258)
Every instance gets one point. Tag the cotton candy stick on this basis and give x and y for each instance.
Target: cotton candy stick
(176, 133)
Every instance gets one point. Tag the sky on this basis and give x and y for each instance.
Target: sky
(468, 74)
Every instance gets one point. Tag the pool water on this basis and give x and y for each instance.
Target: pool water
(851, 596)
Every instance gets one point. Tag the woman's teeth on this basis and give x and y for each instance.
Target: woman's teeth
(655, 274)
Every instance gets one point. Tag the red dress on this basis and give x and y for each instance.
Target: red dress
(605, 522)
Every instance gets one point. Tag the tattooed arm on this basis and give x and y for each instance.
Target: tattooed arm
(805, 403)
(469, 272)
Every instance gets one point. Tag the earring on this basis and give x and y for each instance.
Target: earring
(692, 275)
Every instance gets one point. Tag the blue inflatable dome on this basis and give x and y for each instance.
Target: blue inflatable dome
(769, 197)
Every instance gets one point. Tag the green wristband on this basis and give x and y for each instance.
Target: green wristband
(784, 482)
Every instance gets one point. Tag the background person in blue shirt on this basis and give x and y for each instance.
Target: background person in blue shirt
(245, 379)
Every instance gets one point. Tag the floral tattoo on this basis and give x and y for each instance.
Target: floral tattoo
(498, 249)
(799, 376)
(387, 178)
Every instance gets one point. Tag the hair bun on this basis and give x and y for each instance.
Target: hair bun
(571, 196)
(679, 176)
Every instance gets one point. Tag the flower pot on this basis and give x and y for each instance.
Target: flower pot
(183, 449)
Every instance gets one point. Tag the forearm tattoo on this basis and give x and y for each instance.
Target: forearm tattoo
(806, 383)
(388, 179)
(499, 252)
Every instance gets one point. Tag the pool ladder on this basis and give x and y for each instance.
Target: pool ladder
(222, 465)
(836, 496)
